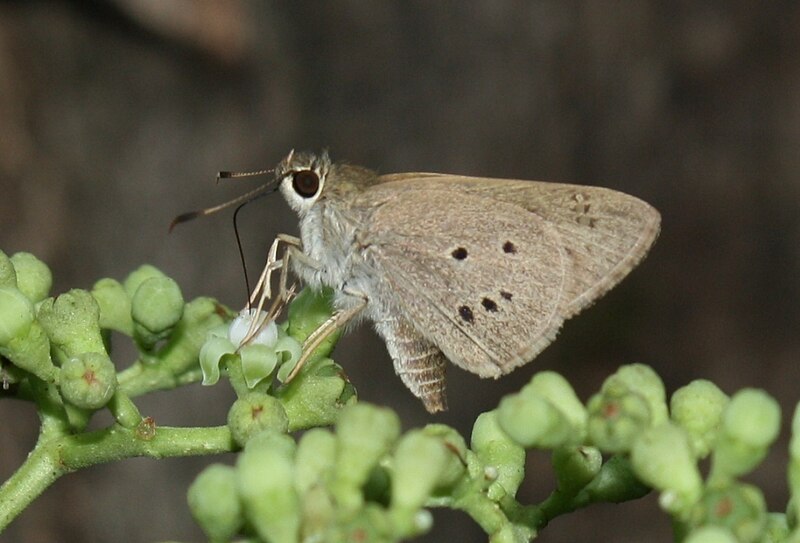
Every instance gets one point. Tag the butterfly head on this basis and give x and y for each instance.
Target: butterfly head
(301, 177)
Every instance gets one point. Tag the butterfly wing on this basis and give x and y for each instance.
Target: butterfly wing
(483, 281)
(489, 269)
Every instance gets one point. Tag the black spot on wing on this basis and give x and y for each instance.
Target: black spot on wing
(459, 253)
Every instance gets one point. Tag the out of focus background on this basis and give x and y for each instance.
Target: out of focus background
(115, 116)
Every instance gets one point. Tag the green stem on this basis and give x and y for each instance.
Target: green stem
(531, 517)
(559, 503)
(53, 416)
(52, 458)
(116, 443)
(139, 379)
(124, 410)
(37, 473)
(190, 377)
(489, 516)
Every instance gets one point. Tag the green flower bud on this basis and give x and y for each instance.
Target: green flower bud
(315, 459)
(750, 423)
(34, 278)
(364, 433)
(646, 382)
(319, 515)
(72, 322)
(369, 524)
(576, 467)
(271, 439)
(265, 478)
(253, 413)
(115, 306)
(752, 417)
(615, 483)
(791, 514)
(156, 307)
(456, 459)
(418, 463)
(737, 507)
(183, 346)
(777, 528)
(18, 333)
(8, 276)
(31, 352)
(214, 502)
(793, 509)
(497, 450)
(558, 392)
(711, 534)
(139, 276)
(697, 408)
(16, 314)
(88, 380)
(320, 522)
(532, 421)
(306, 313)
(617, 416)
(662, 458)
(317, 395)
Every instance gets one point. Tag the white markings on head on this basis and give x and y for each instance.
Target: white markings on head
(302, 179)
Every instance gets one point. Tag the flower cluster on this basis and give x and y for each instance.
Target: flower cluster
(365, 480)
(354, 475)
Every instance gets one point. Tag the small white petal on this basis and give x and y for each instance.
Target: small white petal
(239, 327)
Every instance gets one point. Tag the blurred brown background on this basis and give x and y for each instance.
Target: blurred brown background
(114, 117)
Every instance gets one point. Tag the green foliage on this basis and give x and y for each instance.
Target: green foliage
(355, 474)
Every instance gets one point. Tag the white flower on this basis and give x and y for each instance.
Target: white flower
(260, 355)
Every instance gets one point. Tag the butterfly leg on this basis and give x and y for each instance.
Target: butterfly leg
(335, 322)
(263, 289)
(418, 362)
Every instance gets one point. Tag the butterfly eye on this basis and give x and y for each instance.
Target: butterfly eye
(305, 183)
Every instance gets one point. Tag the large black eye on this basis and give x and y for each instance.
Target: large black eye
(305, 183)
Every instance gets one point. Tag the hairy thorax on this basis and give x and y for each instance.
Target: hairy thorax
(341, 263)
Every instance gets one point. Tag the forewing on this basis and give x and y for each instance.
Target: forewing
(483, 280)
(604, 233)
